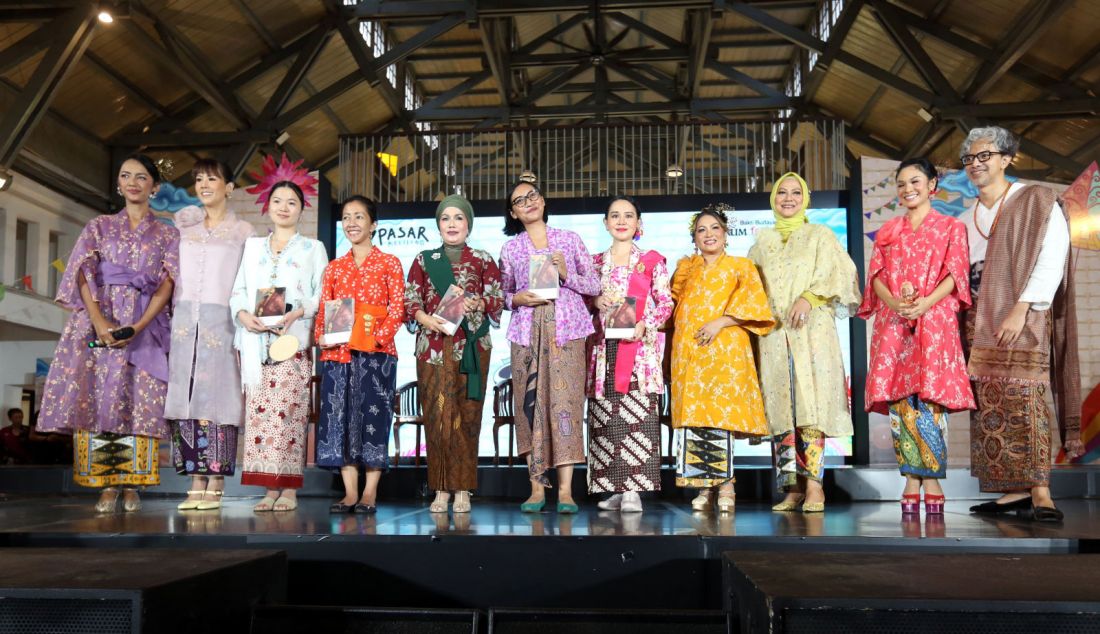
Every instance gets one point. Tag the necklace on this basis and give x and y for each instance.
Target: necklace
(996, 214)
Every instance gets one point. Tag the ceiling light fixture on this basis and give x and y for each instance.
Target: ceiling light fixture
(527, 176)
(674, 171)
(6, 178)
(106, 17)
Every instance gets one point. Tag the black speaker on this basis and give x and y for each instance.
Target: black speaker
(129, 591)
(902, 593)
(292, 619)
(535, 621)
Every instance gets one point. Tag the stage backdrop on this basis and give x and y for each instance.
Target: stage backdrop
(665, 231)
(956, 195)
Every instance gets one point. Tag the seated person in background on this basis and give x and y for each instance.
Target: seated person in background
(14, 439)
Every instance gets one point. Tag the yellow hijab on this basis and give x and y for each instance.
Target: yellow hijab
(786, 226)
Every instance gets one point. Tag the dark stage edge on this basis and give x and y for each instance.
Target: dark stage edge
(497, 557)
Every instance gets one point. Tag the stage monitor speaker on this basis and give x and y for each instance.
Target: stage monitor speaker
(294, 619)
(900, 593)
(536, 621)
(132, 591)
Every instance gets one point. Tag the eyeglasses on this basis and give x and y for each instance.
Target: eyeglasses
(982, 157)
(532, 196)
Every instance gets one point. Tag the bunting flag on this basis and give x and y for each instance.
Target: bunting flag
(59, 265)
(3, 291)
(1082, 200)
(26, 282)
(871, 235)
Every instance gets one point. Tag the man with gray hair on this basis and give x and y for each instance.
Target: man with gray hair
(1021, 331)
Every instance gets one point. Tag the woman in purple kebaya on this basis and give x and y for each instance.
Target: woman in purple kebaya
(111, 398)
(548, 344)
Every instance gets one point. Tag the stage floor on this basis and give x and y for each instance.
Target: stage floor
(863, 521)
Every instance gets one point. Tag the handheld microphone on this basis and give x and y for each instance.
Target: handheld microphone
(122, 333)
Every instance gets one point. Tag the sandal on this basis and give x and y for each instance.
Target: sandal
(266, 504)
(107, 505)
(933, 504)
(189, 505)
(210, 505)
(131, 502)
(438, 505)
(789, 505)
(287, 504)
(701, 503)
(462, 502)
(910, 503)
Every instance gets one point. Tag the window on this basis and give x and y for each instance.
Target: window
(22, 231)
(827, 15)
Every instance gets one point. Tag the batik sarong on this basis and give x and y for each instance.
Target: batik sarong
(356, 411)
(799, 453)
(276, 414)
(624, 436)
(704, 457)
(109, 460)
(452, 422)
(203, 448)
(919, 429)
(548, 388)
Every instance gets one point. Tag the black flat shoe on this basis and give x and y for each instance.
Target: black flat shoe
(340, 507)
(365, 509)
(1044, 514)
(992, 508)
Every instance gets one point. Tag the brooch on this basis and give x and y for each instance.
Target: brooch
(640, 268)
(435, 256)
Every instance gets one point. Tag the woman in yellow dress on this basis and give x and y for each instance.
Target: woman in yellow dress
(810, 281)
(715, 393)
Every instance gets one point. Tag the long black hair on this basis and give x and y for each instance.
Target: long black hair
(512, 225)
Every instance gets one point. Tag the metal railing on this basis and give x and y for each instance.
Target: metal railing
(596, 160)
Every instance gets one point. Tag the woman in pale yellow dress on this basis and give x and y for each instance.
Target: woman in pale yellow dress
(810, 281)
(715, 393)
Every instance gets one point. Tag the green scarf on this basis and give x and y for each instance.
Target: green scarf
(438, 268)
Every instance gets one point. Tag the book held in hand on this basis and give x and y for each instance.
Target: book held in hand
(622, 320)
(451, 309)
(271, 305)
(339, 319)
(543, 278)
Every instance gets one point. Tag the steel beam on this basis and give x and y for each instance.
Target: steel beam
(1035, 20)
(73, 32)
(898, 31)
(837, 34)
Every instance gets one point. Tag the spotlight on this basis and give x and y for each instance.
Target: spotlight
(106, 17)
(6, 178)
(674, 171)
(282, 138)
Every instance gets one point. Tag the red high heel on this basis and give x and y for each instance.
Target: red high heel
(933, 504)
(910, 504)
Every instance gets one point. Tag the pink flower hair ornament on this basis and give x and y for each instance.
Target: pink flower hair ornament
(283, 171)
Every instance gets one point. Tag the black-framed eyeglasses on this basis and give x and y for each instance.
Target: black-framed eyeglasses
(532, 196)
(982, 157)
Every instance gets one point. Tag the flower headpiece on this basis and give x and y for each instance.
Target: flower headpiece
(284, 171)
(717, 210)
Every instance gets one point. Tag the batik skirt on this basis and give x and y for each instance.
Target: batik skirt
(919, 429)
(548, 390)
(799, 453)
(204, 448)
(624, 436)
(276, 414)
(452, 422)
(704, 457)
(356, 411)
(104, 459)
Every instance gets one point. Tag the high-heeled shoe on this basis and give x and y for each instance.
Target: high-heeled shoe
(210, 505)
(933, 504)
(107, 504)
(910, 503)
(190, 505)
(725, 504)
(461, 503)
(131, 502)
(789, 505)
(701, 503)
